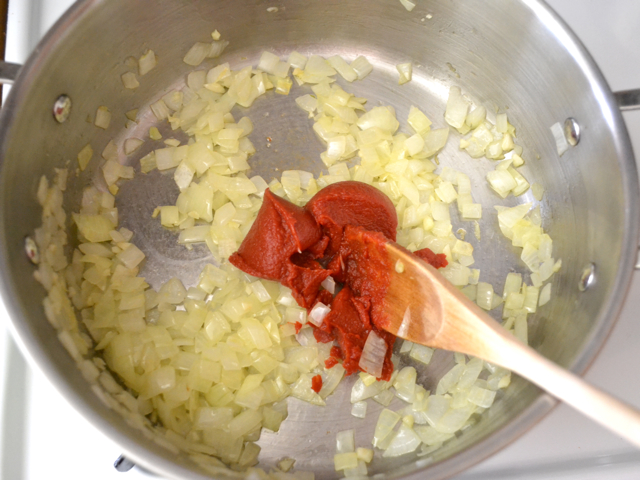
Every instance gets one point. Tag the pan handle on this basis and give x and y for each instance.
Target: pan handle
(628, 99)
(9, 72)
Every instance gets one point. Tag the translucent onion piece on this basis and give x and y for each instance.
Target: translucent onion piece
(457, 108)
(373, 353)
(84, 156)
(345, 441)
(317, 314)
(561, 141)
(103, 118)
(131, 145)
(130, 81)
(147, 62)
(359, 409)
(364, 454)
(343, 68)
(343, 461)
(418, 120)
(408, 4)
(384, 427)
(454, 419)
(421, 353)
(545, 295)
(362, 67)
(405, 69)
(297, 60)
(406, 346)
(404, 441)
(405, 384)
(331, 379)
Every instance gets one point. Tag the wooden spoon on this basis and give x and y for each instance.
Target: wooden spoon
(423, 307)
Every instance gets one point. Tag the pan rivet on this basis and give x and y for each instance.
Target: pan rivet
(123, 464)
(31, 249)
(588, 277)
(62, 108)
(572, 131)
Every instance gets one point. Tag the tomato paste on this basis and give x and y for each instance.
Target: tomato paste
(316, 383)
(341, 233)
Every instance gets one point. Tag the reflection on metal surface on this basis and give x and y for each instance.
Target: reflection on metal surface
(588, 277)
(598, 466)
(628, 99)
(31, 249)
(123, 464)
(14, 409)
(62, 108)
(572, 131)
(9, 72)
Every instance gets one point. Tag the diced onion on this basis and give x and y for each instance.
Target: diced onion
(405, 384)
(345, 442)
(561, 141)
(297, 60)
(318, 312)
(130, 81)
(408, 4)
(197, 53)
(362, 67)
(84, 156)
(385, 397)
(360, 391)
(457, 108)
(343, 68)
(418, 120)
(421, 353)
(343, 461)
(384, 427)
(364, 454)
(147, 62)
(373, 354)
(545, 295)
(103, 117)
(307, 103)
(405, 69)
(359, 409)
(131, 145)
(317, 65)
(404, 441)
(538, 191)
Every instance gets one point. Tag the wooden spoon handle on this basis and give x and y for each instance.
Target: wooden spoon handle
(480, 335)
(571, 389)
(431, 311)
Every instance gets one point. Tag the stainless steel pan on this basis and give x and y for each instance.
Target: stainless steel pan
(507, 54)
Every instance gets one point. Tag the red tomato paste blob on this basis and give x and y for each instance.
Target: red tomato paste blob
(331, 362)
(343, 227)
(436, 260)
(316, 383)
(352, 203)
(280, 231)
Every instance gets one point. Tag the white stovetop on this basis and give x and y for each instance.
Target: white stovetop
(37, 444)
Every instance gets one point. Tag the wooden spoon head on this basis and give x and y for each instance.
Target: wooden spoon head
(421, 306)
(413, 306)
